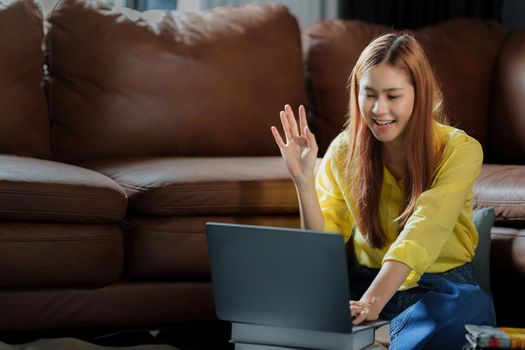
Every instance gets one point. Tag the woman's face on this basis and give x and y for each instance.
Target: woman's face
(386, 101)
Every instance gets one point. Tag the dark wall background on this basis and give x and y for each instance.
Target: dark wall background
(513, 14)
(413, 14)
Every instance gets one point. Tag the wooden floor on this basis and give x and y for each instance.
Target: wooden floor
(180, 336)
(74, 344)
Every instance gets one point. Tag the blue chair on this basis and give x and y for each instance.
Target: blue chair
(484, 220)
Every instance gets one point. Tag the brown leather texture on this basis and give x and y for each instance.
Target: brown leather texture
(42, 190)
(502, 187)
(166, 83)
(463, 53)
(171, 114)
(176, 247)
(45, 254)
(203, 186)
(121, 304)
(24, 121)
(507, 275)
(507, 117)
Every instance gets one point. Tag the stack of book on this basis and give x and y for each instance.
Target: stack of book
(486, 337)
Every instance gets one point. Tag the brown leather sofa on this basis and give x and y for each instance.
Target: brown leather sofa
(121, 134)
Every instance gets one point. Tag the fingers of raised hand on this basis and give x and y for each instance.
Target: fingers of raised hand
(291, 129)
(302, 120)
(291, 120)
(278, 137)
(286, 125)
(312, 143)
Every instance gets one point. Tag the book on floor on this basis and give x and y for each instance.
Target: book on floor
(487, 337)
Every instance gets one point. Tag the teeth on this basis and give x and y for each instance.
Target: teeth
(386, 122)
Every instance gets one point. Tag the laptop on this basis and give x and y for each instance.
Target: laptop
(283, 288)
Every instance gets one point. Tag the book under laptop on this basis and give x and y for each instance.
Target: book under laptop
(283, 288)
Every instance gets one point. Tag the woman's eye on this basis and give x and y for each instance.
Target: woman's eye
(370, 96)
(393, 97)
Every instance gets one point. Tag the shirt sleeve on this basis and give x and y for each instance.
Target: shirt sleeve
(437, 210)
(337, 217)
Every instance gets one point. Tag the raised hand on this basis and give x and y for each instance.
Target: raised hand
(300, 149)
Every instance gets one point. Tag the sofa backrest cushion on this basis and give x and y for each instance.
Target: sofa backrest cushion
(24, 122)
(507, 117)
(166, 83)
(462, 52)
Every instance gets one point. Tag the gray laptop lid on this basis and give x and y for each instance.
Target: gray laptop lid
(279, 277)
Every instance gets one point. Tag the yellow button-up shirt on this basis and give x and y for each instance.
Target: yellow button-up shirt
(438, 236)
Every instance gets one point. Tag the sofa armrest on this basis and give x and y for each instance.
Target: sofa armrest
(503, 188)
(48, 191)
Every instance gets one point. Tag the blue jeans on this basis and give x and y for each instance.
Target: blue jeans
(432, 315)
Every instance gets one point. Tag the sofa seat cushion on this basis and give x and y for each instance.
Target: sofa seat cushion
(176, 247)
(124, 303)
(203, 186)
(503, 188)
(42, 190)
(52, 254)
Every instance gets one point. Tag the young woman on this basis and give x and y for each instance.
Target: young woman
(399, 183)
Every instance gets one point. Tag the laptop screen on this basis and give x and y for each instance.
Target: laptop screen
(279, 277)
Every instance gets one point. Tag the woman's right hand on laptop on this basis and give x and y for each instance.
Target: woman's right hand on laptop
(363, 311)
(300, 149)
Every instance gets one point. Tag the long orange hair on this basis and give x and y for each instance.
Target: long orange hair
(364, 169)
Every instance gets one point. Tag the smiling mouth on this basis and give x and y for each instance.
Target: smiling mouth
(383, 122)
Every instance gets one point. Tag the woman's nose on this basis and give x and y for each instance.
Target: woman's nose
(380, 106)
